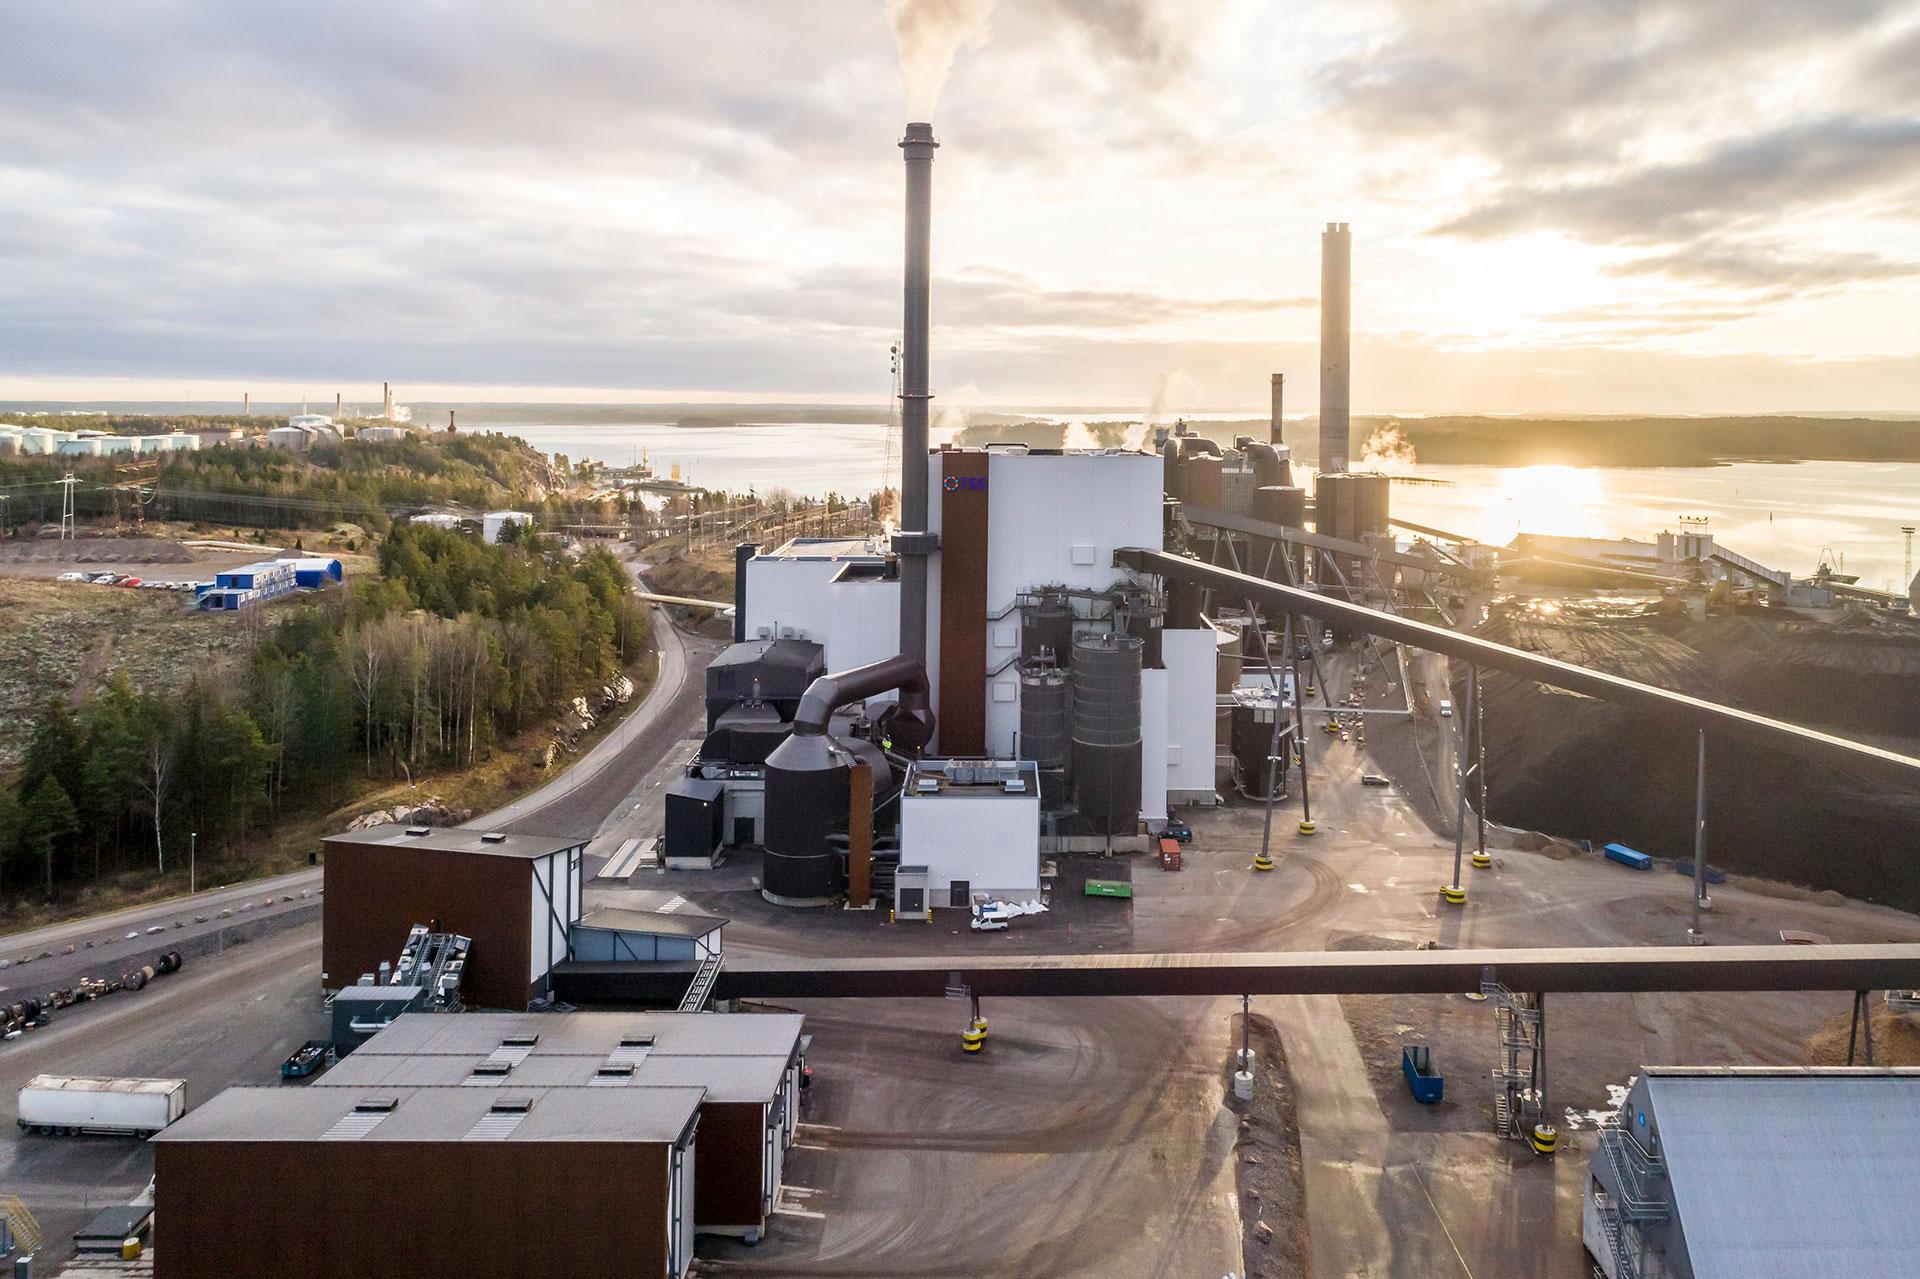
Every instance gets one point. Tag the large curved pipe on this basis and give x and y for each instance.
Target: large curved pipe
(911, 721)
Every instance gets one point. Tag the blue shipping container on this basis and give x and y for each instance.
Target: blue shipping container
(1627, 857)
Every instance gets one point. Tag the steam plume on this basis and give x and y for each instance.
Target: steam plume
(930, 33)
(1388, 449)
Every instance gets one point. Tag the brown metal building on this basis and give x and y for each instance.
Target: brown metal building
(315, 1183)
(748, 1066)
(514, 895)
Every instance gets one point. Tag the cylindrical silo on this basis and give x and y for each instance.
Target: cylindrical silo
(1106, 731)
(806, 801)
(1370, 504)
(1047, 625)
(1044, 733)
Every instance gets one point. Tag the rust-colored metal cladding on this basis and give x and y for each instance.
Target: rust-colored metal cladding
(963, 603)
(729, 1165)
(380, 882)
(301, 1184)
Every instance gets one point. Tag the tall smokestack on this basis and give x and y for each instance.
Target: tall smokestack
(1336, 299)
(246, 404)
(336, 406)
(913, 542)
(386, 400)
(1273, 425)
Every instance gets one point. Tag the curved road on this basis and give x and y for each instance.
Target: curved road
(575, 803)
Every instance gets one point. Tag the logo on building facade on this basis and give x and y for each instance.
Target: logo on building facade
(971, 483)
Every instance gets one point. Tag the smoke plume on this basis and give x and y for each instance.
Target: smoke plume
(1388, 449)
(930, 33)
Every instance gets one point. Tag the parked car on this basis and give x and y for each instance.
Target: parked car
(1180, 831)
(156, 586)
(1373, 779)
(104, 579)
(1446, 709)
(128, 581)
(71, 577)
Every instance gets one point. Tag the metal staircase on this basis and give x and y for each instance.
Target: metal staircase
(22, 1231)
(1518, 1104)
(702, 988)
(1639, 1198)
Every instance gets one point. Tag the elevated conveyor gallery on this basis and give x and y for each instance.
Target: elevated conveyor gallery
(1635, 969)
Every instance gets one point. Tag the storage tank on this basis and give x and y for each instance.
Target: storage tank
(1044, 734)
(806, 801)
(1106, 731)
(1370, 504)
(1047, 625)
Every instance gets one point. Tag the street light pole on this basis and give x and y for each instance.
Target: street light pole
(193, 862)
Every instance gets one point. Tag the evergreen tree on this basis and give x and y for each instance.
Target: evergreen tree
(51, 823)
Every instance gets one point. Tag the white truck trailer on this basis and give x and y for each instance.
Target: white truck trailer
(81, 1103)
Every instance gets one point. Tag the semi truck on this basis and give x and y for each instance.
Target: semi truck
(84, 1103)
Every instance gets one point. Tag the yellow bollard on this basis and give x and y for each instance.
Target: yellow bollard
(1262, 861)
(1453, 895)
(980, 1024)
(1306, 828)
(1483, 860)
(1545, 1139)
(972, 1039)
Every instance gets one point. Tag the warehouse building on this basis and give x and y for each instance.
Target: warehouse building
(515, 896)
(749, 1066)
(1726, 1173)
(315, 1183)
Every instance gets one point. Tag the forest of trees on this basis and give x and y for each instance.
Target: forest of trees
(455, 645)
(257, 487)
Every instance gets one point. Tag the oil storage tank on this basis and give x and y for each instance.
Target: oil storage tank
(1106, 731)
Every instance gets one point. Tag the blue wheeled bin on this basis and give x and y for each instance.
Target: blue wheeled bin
(1416, 1063)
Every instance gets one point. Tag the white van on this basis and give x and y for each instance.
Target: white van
(1446, 709)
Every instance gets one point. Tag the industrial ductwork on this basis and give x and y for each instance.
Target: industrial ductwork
(909, 721)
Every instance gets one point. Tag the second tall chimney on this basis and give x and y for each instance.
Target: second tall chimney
(1336, 297)
(1273, 426)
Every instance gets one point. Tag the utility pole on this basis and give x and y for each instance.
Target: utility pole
(1906, 575)
(193, 862)
(1700, 899)
(66, 507)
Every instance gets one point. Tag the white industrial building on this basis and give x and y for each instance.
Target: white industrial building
(1012, 521)
(973, 826)
(493, 521)
(381, 434)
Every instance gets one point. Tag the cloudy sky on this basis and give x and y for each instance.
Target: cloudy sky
(1684, 205)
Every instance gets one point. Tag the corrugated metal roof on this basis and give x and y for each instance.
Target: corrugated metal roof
(440, 1114)
(682, 923)
(593, 1034)
(725, 1078)
(1808, 1173)
(457, 839)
